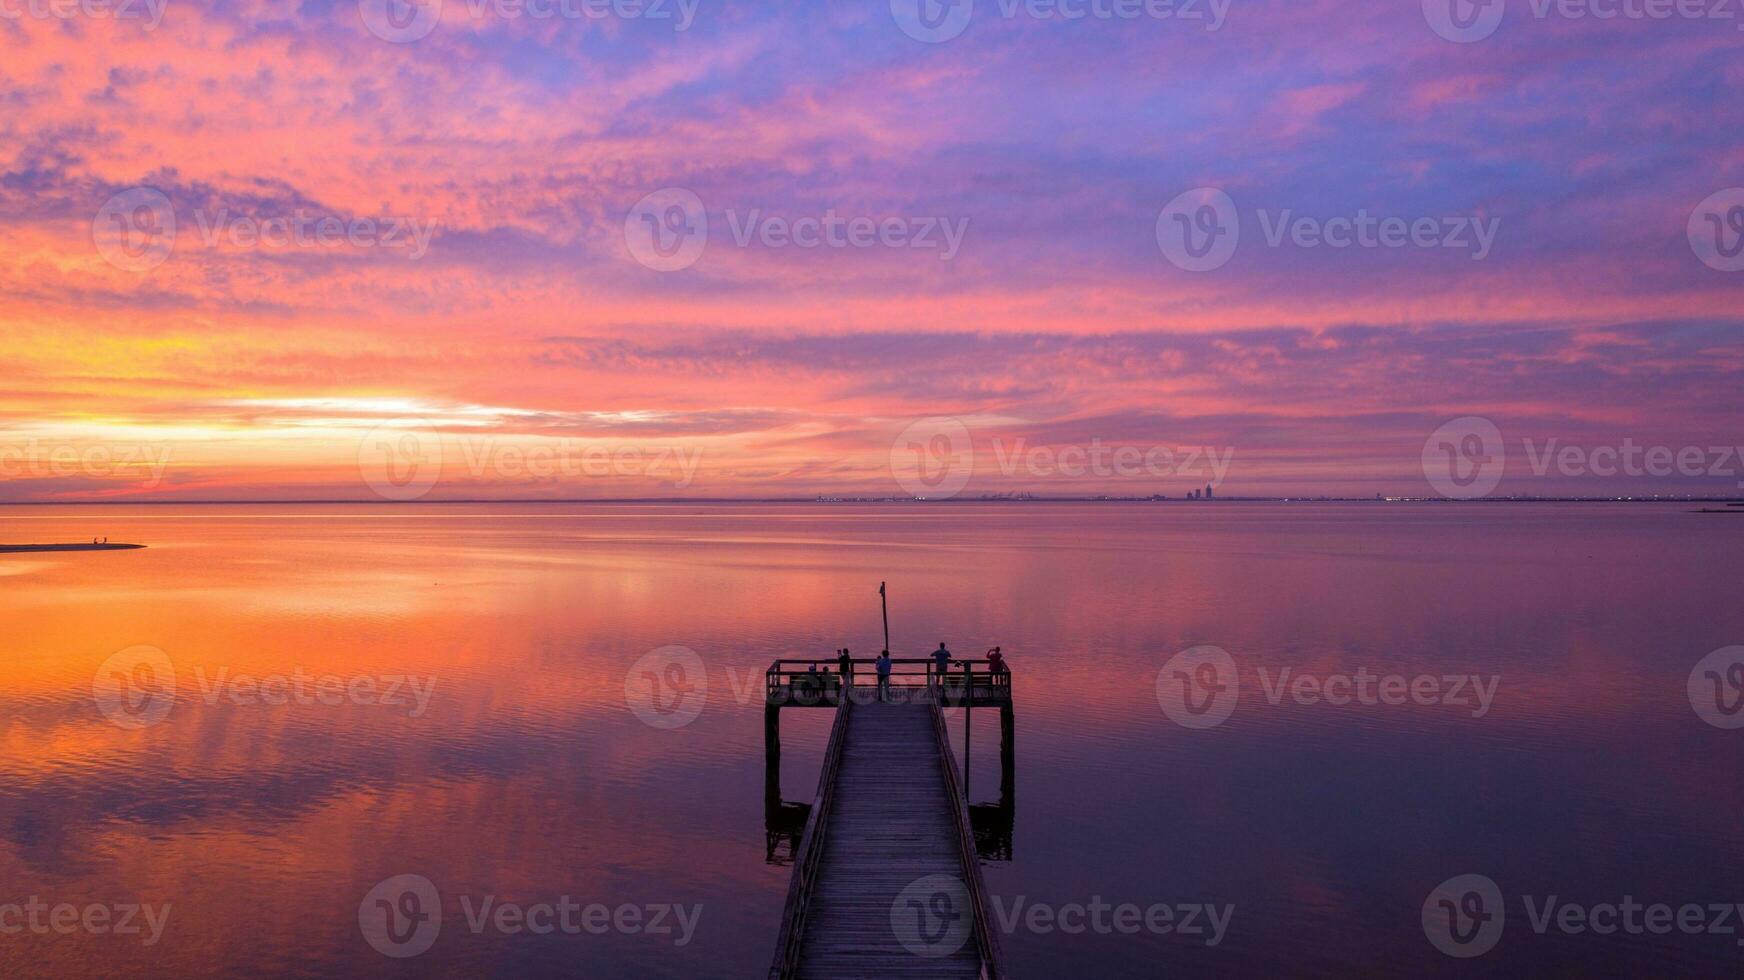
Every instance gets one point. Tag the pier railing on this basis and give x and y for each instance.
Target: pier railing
(820, 683)
(986, 933)
(808, 857)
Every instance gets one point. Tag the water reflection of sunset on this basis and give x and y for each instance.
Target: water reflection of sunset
(530, 776)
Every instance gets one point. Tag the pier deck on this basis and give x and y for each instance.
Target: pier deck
(886, 881)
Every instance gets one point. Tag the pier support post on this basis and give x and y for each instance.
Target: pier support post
(1007, 754)
(772, 757)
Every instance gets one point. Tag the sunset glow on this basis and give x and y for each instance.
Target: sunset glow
(473, 280)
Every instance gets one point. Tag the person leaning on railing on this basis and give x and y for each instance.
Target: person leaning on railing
(941, 664)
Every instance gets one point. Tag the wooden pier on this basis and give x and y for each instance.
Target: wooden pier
(886, 879)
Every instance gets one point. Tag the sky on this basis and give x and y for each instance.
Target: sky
(566, 249)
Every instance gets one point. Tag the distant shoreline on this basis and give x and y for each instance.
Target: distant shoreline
(32, 549)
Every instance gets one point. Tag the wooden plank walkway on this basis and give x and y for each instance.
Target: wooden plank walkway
(890, 825)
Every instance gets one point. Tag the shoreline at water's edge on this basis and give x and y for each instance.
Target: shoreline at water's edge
(22, 549)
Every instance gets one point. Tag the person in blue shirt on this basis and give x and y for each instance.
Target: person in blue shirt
(883, 665)
(941, 662)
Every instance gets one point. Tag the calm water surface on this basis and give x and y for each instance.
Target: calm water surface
(528, 778)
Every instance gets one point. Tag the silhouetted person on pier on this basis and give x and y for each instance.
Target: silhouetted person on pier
(813, 683)
(941, 662)
(845, 665)
(883, 665)
(996, 661)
